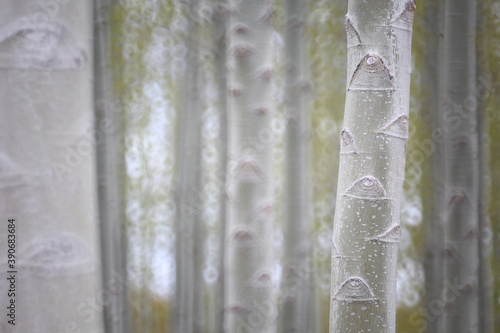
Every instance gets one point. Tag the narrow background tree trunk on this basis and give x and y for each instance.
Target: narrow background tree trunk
(434, 247)
(462, 167)
(250, 303)
(371, 174)
(295, 289)
(110, 176)
(485, 286)
(189, 298)
(220, 45)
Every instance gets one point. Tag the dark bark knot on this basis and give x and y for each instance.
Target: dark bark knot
(397, 128)
(371, 73)
(354, 289)
(368, 188)
(46, 46)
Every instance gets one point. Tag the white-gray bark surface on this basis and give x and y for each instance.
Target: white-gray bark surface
(373, 151)
(462, 167)
(295, 289)
(47, 174)
(189, 297)
(250, 304)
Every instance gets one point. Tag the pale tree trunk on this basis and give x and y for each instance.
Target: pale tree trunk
(250, 303)
(189, 292)
(462, 167)
(47, 154)
(485, 281)
(434, 247)
(366, 225)
(295, 288)
(219, 43)
(110, 176)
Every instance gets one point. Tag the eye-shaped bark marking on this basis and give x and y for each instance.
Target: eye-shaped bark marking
(240, 29)
(261, 279)
(264, 211)
(371, 74)
(451, 253)
(237, 308)
(468, 288)
(59, 254)
(404, 20)
(397, 128)
(348, 146)
(354, 289)
(462, 143)
(46, 46)
(459, 198)
(368, 188)
(353, 37)
(391, 235)
(243, 237)
(248, 171)
(242, 50)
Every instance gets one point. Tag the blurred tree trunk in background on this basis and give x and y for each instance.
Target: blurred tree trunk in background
(485, 287)
(189, 301)
(295, 288)
(433, 80)
(462, 166)
(220, 54)
(110, 176)
(366, 228)
(250, 302)
(47, 157)
(489, 91)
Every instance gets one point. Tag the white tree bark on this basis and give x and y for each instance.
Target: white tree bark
(189, 298)
(250, 304)
(220, 45)
(366, 225)
(110, 176)
(462, 168)
(295, 289)
(47, 174)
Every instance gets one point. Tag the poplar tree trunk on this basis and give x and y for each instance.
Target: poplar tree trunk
(485, 282)
(462, 167)
(219, 42)
(110, 176)
(250, 303)
(434, 247)
(189, 297)
(47, 153)
(371, 173)
(295, 288)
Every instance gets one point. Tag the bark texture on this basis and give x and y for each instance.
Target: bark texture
(110, 176)
(485, 281)
(462, 167)
(371, 174)
(250, 304)
(434, 247)
(220, 45)
(295, 289)
(47, 153)
(189, 297)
